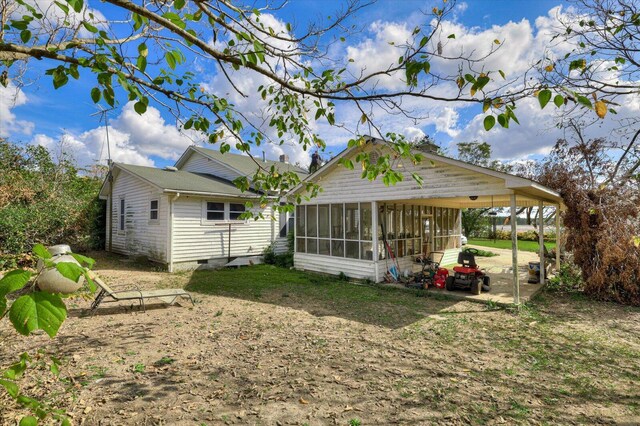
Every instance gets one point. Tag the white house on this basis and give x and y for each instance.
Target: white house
(347, 227)
(187, 216)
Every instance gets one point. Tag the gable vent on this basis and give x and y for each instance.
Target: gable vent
(373, 157)
(171, 169)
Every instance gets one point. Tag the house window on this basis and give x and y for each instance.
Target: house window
(215, 211)
(235, 211)
(121, 219)
(153, 210)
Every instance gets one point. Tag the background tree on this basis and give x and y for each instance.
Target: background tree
(602, 220)
(46, 200)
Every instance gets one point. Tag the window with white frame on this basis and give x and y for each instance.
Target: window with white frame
(153, 209)
(214, 211)
(121, 217)
(236, 210)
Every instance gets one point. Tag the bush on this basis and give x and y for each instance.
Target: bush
(569, 279)
(46, 201)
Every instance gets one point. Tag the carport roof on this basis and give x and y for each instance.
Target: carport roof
(528, 192)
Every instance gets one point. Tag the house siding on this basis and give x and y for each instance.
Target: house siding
(194, 241)
(198, 163)
(440, 180)
(141, 237)
(352, 268)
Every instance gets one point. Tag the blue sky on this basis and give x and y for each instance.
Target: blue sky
(40, 114)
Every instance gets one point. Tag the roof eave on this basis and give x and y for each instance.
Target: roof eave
(210, 194)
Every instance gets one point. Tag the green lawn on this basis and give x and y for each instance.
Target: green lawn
(318, 294)
(532, 246)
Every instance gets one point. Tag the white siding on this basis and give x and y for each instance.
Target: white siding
(352, 268)
(281, 245)
(198, 163)
(440, 181)
(193, 240)
(141, 236)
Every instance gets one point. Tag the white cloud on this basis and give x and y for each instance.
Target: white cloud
(133, 139)
(11, 97)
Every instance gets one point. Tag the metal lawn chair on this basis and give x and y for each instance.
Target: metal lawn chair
(168, 296)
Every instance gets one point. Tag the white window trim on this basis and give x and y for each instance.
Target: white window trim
(157, 210)
(122, 224)
(227, 212)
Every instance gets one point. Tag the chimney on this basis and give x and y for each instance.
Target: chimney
(284, 158)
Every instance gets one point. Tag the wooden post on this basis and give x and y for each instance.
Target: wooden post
(514, 251)
(541, 240)
(558, 247)
(374, 237)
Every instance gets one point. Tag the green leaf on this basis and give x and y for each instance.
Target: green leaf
(38, 310)
(89, 27)
(28, 421)
(489, 122)
(25, 35)
(451, 36)
(544, 97)
(76, 5)
(70, 270)
(558, 100)
(16, 370)
(143, 50)
(171, 61)
(11, 282)
(95, 95)
(424, 41)
(140, 107)
(584, 101)
(84, 259)
(12, 388)
(40, 251)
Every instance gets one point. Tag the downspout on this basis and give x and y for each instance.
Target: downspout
(110, 212)
(170, 232)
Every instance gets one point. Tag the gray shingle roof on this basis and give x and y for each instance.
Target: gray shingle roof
(246, 165)
(185, 181)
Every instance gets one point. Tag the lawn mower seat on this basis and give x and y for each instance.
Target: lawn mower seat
(467, 259)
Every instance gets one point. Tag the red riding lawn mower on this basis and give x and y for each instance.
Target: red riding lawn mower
(468, 276)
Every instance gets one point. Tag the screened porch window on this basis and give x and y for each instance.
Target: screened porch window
(339, 230)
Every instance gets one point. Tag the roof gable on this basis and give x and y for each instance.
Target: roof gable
(238, 165)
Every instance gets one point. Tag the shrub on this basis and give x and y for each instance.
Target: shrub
(568, 279)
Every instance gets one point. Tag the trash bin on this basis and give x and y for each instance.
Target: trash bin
(534, 273)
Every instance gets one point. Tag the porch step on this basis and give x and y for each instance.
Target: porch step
(245, 261)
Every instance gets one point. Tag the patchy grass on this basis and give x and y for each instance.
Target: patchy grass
(269, 345)
(319, 294)
(531, 246)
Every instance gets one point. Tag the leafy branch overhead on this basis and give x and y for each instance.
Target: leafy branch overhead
(145, 53)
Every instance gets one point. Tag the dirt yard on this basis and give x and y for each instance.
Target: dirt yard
(277, 347)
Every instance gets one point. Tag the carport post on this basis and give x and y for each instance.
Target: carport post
(541, 240)
(514, 251)
(558, 239)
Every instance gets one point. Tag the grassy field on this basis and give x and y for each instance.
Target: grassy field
(532, 246)
(266, 345)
